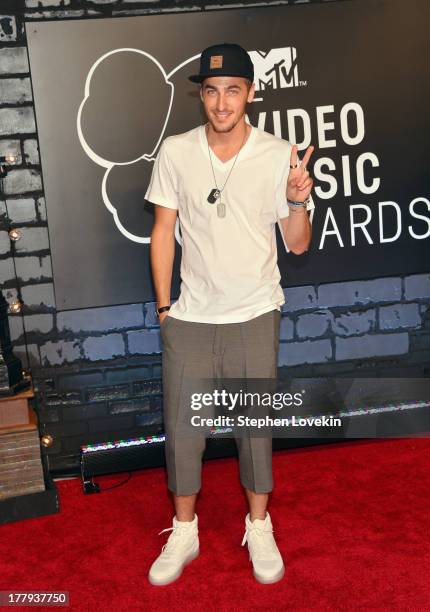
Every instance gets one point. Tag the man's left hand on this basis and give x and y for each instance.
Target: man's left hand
(299, 184)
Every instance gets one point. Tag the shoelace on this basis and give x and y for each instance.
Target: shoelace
(263, 548)
(167, 549)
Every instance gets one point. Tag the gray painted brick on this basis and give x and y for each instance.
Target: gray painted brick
(31, 151)
(372, 345)
(352, 323)
(100, 319)
(360, 292)
(10, 294)
(17, 120)
(286, 329)
(421, 341)
(63, 399)
(70, 382)
(45, 3)
(59, 352)
(33, 239)
(152, 418)
(7, 28)
(122, 407)
(11, 147)
(15, 91)
(7, 271)
(139, 2)
(22, 210)
(16, 327)
(41, 208)
(38, 295)
(312, 325)
(33, 268)
(299, 298)
(20, 351)
(60, 14)
(104, 347)
(42, 323)
(417, 286)
(20, 181)
(110, 393)
(146, 11)
(399, 315)
(151, 318)
(309, 351)
(145, 341)
(13, 60)
(4, 243)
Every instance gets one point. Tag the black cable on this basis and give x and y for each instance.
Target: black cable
(120, 484)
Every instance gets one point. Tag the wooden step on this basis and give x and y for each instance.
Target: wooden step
(14, 409)
(21, 470)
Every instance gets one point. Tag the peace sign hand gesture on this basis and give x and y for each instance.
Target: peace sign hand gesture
(299, 184)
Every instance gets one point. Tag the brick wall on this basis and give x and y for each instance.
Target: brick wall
(334, 322)
(380, 325)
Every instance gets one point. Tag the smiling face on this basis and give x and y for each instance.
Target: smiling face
(224, 99)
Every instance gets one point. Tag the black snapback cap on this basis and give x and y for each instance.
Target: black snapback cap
(226, 59)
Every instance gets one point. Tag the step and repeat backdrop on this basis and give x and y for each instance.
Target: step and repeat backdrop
(350, 78)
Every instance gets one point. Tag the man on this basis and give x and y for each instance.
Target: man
(230, 183)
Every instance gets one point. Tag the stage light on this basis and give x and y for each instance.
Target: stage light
(6, 160)
(15, 234)
(47, 440)
(15, 307)
(103, 446)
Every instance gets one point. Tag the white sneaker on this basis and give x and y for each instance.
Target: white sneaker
(266, 558)
(181, 548)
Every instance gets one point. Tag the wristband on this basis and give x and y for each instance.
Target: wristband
(162, 309)
(298, 204)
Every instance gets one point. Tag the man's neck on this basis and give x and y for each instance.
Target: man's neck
(232, 139)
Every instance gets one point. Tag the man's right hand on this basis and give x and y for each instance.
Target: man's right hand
(162, 316)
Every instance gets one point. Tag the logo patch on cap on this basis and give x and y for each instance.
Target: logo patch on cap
(216, 61)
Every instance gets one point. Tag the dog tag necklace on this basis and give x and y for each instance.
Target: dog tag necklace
(215, 194)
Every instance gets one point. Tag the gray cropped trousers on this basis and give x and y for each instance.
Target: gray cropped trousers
(211, 351)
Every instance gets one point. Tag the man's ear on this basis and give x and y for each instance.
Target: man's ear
(201, 92)
(251, 93)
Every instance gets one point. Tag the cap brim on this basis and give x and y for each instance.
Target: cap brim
(198, 78)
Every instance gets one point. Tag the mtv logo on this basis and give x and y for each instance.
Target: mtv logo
(275, 69)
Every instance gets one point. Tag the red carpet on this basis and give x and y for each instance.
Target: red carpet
(351, 521)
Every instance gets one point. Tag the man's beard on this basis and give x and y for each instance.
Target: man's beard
(225, 128)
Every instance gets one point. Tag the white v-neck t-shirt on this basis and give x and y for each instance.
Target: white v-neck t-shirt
(229, 268)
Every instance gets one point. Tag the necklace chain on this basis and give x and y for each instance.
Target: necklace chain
(231, 169)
